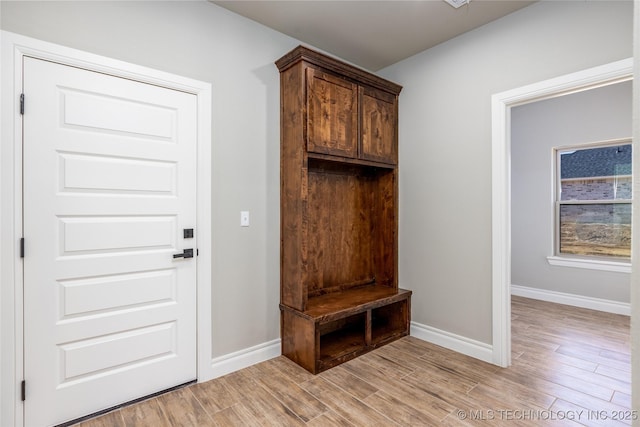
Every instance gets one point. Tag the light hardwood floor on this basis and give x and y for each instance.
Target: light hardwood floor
(571, 366)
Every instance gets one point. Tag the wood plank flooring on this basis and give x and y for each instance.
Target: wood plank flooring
(571, 366)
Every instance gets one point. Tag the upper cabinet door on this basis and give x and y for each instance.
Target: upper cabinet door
(332, 114)
(379, 126)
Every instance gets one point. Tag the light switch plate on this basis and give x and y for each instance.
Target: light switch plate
(244, 218)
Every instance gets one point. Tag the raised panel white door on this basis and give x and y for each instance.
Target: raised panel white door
(109, 186)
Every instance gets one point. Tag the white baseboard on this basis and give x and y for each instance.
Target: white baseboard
(244, 358)
(464, 345)
(599, 304)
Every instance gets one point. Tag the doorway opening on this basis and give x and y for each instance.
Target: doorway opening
(502, 103)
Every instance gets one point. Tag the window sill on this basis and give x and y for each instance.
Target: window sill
(591, 264)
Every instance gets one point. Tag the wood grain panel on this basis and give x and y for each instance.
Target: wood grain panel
(340, 229)
(343, 379)
(259, 402)
(147, 412)
(428, 402)
(379, 125)
(304, 405)
(385, 232)
(213, 396)
(412, 382)
(346, 405)
(182, 409)
(332, 114)
(293, 189)
(299, 339)
(400, 411)
(236, 415)
(329, 419)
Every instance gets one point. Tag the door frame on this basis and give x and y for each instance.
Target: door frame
(501, 104)
(13, 48)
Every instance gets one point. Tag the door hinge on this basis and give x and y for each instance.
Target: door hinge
(22, 247)
(23, 390)
(22, 104)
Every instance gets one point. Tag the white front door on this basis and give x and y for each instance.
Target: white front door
(109, 188)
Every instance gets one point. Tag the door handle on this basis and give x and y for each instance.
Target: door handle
(187, 253)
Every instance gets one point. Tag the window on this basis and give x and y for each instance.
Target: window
(593, 201)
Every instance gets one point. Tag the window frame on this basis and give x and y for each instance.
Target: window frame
(609, 263)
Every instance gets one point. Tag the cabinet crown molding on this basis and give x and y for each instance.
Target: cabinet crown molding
(302, 53)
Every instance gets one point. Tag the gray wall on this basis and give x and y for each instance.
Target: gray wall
(595, 115)
(445, 137)
(445, 144)
(200, 40)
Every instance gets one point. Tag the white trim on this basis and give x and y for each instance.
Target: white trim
(598, 178)
(501, 231)
(464, 345)
(599, 304)
(501, 104)
(591, 264)
(14, 47)
(595, 144)
(244, 358)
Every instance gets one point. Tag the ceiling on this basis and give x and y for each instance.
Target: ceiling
(372, 34)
